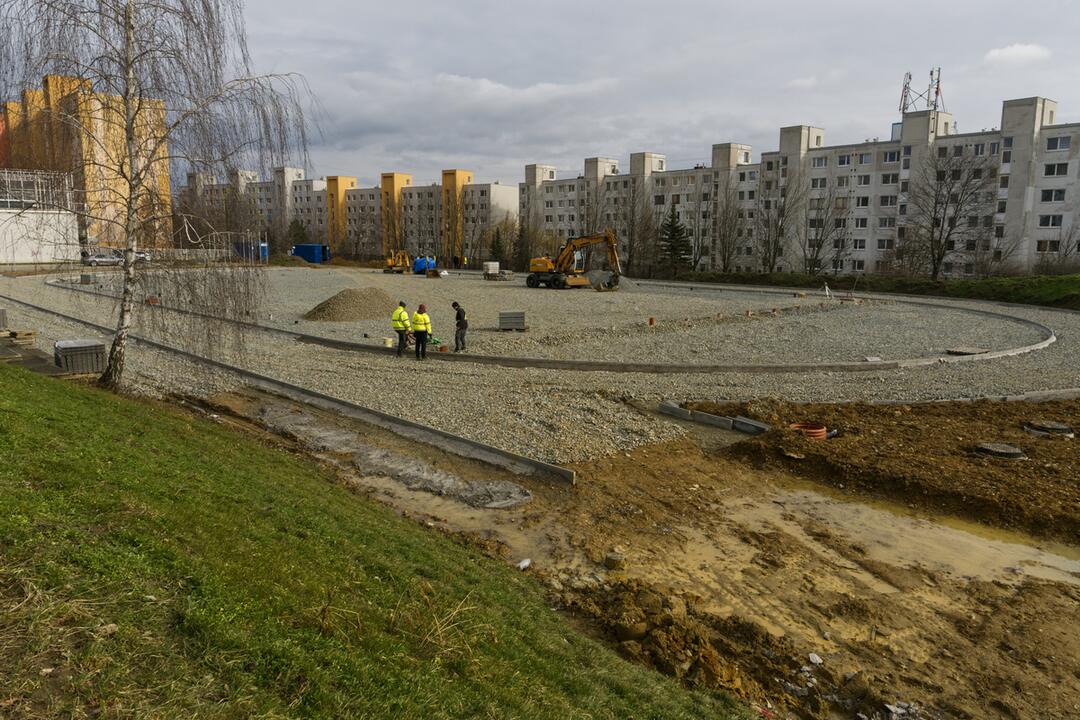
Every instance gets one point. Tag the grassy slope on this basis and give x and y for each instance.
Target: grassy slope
(1061, 291)
(243, 582)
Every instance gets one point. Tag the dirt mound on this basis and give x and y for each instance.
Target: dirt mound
(671, 634)
(924, 455)
(353, 304)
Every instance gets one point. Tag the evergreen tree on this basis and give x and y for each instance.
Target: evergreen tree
(297, 233)
(675, 247)
(497, 250)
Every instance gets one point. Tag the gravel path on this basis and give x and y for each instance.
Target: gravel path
(560, 416)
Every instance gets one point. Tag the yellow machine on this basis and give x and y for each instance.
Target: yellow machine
(399, 262)
(567, 269)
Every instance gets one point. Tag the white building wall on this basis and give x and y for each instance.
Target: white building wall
(36, 236)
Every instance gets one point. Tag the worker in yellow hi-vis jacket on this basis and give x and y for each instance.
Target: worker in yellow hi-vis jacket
(421, 327)
(400, 322)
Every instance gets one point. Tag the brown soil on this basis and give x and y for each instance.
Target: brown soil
(730, 574)
(924, 455)
(354, 304)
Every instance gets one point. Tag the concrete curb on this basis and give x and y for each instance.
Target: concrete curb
(737, 423)
(441, 439)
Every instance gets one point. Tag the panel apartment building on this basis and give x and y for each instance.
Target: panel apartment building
(454, 217)
(66, 127)
(1030, 219)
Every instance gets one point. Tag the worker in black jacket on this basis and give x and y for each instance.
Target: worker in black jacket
(461, 324)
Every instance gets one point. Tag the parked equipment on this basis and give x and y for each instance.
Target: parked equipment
(568, 267)
(492, 272)
(398, 263)
(422, 264)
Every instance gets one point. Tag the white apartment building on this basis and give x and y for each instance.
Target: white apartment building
(1031, 221)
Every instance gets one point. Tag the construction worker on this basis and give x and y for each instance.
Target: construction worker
(421, 326)
(400, 322)
(461, 324)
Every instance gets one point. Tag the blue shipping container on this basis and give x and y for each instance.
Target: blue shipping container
(312, 253)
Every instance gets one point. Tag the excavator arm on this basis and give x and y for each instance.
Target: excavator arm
(565, 261)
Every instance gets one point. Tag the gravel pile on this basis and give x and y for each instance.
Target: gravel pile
(353, 304)
(561, 416)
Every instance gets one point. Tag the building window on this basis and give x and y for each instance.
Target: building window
(890, 156)
(943, 152)
(890, 178)
(865, 158)
(887, 201)
(820, 161)
(1003, 183)
(1055, 195)
(863, 180)
(858, 265)
(886, 244)
(1001, 206)
(1048, 246)
(861, 223)
(978, 149)
(842, 181)
(818, 183)
(843, 160)
(886, 222)
(1006, 157)
(1049, 221)
(1007, 143)
(1056, 169)
(862, 201)
(1059, 143)
(859, 243)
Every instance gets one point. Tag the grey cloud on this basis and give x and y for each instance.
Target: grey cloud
(490, 85)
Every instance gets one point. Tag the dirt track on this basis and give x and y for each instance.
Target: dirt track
(730, 575)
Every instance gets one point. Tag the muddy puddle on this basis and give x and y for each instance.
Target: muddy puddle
(887, 533)
(330, 439)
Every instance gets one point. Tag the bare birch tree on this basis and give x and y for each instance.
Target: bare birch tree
(162, 84)
(779, 208)
(823, 239)
(698, 204)
(950, 195)
(729, 221)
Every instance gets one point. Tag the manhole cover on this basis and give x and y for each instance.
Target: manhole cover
(1001, 450)
(1050, 427)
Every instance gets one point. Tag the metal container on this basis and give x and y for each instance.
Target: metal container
(80, 356)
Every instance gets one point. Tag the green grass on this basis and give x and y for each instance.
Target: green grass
(1060, 291)
(163, 566)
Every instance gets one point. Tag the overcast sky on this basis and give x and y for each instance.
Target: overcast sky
(491, 85)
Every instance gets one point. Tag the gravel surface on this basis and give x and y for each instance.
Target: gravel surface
(561, 416)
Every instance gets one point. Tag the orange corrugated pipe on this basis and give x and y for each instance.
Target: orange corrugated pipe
(814, 431)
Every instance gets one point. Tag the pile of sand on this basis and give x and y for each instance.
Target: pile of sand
(354, 304)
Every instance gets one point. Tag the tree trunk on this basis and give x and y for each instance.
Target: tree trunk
(114, 371)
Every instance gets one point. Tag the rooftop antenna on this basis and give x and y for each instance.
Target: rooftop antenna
(932, 100)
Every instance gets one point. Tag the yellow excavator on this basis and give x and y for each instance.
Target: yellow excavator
(567, 269)
(399, 262)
